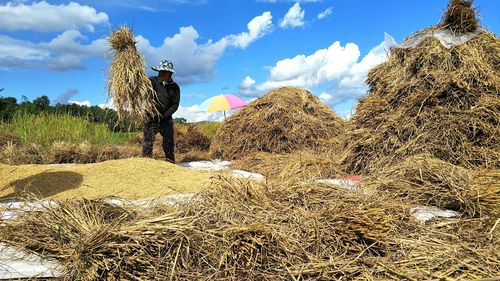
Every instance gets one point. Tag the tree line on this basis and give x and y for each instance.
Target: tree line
(9, 106)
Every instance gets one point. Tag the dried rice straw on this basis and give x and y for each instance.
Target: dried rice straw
(128, 85)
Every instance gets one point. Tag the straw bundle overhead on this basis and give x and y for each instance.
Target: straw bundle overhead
(432, 99)
(128, 85)
(282, 121)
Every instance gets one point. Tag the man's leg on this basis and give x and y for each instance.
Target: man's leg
(167, 132)
(149, 132)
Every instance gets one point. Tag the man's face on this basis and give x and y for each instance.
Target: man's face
(166, 75)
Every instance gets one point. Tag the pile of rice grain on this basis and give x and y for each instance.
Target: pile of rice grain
(131, 178)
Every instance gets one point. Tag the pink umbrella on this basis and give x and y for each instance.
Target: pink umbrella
(222, 103)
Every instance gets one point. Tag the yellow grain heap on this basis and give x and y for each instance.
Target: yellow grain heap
(130, 178)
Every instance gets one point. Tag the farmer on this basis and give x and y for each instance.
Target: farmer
(167, 101)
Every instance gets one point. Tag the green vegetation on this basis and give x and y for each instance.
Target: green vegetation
(9, 106)
(46, 128)
(37, 122)
(209, 128)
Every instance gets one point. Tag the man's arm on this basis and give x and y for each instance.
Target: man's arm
(175, 104)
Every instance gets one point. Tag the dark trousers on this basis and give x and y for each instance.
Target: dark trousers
(166, 128)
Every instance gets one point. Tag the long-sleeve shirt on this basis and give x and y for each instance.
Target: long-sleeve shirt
(168, 95)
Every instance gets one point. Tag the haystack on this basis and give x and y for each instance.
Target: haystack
(431, 98)
(282, 121)
(128, 85)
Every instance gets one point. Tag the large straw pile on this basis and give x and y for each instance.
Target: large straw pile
(431, 99)
(128, 85)
(247, 231)
(282, 121)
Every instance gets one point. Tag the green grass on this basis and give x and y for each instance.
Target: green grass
(209, 128)
(44, 129)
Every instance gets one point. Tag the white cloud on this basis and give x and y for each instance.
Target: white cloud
(246, 83)
(109, 104)
(308, 71)
(64, 52)
(294, 17)
(83, 103)
(42, 16)
(337, 67)
(257, 28)
(191, 114)
(325, 97)
(196, 62)
(325, 13)
(10, 47)
(353, 84)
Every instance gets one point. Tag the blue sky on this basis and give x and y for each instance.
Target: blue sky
(246, 48)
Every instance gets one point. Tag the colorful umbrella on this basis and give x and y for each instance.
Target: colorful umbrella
(222, 103)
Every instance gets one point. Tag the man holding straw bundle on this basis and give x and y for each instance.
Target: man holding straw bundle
(167, 100)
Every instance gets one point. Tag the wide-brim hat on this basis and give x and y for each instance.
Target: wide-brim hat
(165, 65)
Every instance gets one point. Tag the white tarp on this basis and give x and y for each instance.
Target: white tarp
(215, 165)
(15, 264)
(445, 37)
(426, 213)
(218, 165)
(347, 183)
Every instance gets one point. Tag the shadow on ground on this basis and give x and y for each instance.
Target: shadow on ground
(43, 185)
